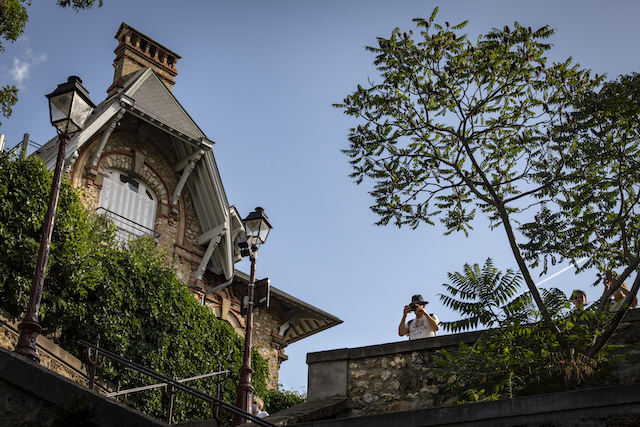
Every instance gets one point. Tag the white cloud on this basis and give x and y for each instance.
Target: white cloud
(22, 66)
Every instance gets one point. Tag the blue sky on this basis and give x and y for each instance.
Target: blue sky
(260, 78)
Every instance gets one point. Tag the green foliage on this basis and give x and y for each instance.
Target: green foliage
(484, 296)
(8, 98)
(595, 213)
(129, 296)
(13, 18)
(24, 196)
(277, 400)
(455, 126)
(78, 5)
(520, 356)
(143, 312)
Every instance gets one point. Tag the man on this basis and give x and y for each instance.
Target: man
(423, 326)
(579, 299)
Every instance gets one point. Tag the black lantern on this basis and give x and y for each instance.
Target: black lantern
(257, 227)
(70, 106)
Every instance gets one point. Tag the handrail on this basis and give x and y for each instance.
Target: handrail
(151, 387)
(176, 384)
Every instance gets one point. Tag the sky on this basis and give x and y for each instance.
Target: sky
(260, 78)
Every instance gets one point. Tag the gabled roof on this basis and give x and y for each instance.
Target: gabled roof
(154, 101)
(147, 98)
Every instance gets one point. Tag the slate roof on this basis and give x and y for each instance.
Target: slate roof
(151, 100)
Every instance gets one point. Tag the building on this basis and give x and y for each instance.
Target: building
(143, 162)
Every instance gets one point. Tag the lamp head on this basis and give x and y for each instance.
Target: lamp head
(70, 106)
(257, 227)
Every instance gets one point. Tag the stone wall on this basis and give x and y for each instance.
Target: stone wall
(399, 376)
(51, 355)
(264, 325)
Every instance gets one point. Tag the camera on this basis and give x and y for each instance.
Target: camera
(413, 306)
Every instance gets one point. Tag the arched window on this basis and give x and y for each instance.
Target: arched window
(129, 203)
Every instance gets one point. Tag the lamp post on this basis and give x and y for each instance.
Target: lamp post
(69, 107)
(257, 229)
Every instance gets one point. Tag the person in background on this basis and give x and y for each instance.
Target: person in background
(619, 297)
(256, 408)
(423, 326)
(579, 298)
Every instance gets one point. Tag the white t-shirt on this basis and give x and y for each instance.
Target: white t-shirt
(421, 328)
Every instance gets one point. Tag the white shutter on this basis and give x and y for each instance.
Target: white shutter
(139, 209)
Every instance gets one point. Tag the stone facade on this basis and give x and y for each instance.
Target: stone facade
(400, 376)
(146, 153)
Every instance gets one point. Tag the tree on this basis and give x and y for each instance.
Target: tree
(485, 296)
(13, 18)
(277, 400)
(456, 128)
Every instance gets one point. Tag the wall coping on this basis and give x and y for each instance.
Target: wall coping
(50, 387)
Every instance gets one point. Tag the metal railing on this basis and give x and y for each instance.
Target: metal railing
(21, 149)
(127, 229)
(175, 384)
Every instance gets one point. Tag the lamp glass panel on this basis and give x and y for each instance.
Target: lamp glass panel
(60, 106)
(80, 111)
(258, 229)
(264, 232)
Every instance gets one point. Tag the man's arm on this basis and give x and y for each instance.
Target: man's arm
(433, 321)
(402, 329)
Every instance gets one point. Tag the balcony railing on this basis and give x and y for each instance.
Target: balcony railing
(127, 229)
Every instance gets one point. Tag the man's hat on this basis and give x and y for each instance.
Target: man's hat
(417, 299)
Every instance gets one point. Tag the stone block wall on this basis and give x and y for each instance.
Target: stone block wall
(264, 325)
(399, 376)
(51, 355)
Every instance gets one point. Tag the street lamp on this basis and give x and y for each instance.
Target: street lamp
(257, 229)
(69, 108)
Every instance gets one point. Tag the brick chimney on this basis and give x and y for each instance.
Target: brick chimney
(136, 51)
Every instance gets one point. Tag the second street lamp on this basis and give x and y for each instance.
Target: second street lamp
(257, 228)
(69, 108)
